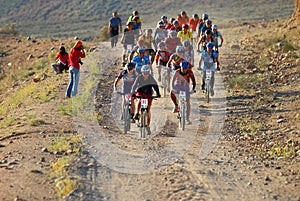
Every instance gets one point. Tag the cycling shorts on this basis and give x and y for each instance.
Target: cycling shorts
(146, 96)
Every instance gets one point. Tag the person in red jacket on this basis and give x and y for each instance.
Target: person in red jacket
(76, 53)
(62, 58)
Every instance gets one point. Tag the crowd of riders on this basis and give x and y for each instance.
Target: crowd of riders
(173, 43)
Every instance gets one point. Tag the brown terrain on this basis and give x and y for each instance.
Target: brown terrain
(256, 157)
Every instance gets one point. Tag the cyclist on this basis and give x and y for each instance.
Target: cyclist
(62, 57)
(207, 60)
(140, 60)
(207, 25)
(128, 39)
(194, 21)
(149, 43)
(204, 39)
(182, 18)
(188, 52)
(169, 25)
(185, 34)
(164, 20)
(162, 57)
(128, 75)
(113, 26)
(217, 34)
(201, 23)
(176, 58)
(172, 41)
(160, 34)
(134, 13)
(176, 27)
(143, 87)
(181, 82)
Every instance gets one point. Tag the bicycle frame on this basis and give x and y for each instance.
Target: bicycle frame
(143, 117)
(165, 82)
(126, 113)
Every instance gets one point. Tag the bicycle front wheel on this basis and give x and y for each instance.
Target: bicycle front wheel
(143, 124)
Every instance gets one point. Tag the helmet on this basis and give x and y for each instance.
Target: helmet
(130, 65)
(208, 21)
(185, 26)
(204, 16)
(160, 24)
(145, 68)
(163, 17)
(141, 50)
(195, 16)
(135, 12)
(184, 64)
(141, 42)
(149, 31)
(179, 49)
(186, 43)
(210, 45)
(173, 33)
(171, 19)
(175, 22)
(208, 31)
(183, 12)
(214, 26)
(161, 45)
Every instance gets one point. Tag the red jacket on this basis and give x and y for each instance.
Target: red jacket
(63, 58)
(75, 54)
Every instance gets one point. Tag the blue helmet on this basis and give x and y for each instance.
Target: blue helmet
(141, 50)
(186, 43)
(179, 49)
(204, 16)
(163, 17)
(184, 64)
(130, 65)
(210, 45)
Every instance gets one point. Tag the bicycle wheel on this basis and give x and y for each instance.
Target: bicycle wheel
(183, 117)
(126, 117)
(143, 120)
(207, 90)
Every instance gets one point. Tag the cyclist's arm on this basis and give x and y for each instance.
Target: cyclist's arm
(193, 80)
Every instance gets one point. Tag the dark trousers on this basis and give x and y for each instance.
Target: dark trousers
(114, 36)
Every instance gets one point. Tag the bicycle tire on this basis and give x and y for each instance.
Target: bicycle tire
(183, 117)
(143, 119)
(207, 91)
(126, 117)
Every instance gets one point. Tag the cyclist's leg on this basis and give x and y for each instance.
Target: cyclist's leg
(203, 79)
(174, 100)
(124, 52)
(188, 107)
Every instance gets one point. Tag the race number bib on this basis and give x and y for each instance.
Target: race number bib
(208, 73)
(144, 103)
(182, 95)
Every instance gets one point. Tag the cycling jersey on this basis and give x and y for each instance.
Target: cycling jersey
(128, 37)
(139, 62)
(148, 41)
(160, 34)
(172, 43)
(216, 36)
(145, 86)
(182, 20)
(128, 80)
(194, 23)
(208, 60)
(175, 61)
(181, 81)
(189, 55)
(185, 36)
(162, 57)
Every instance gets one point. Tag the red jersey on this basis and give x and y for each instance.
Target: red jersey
(194, 24)
(162, 56)
(182, 20)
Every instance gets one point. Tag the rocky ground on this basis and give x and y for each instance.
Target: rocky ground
(255, 158)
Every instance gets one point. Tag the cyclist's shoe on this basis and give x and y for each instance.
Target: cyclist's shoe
(148, 130)
(212, 93)
(136, 117)
(218, 68)
(175, 109)
(131, 116)
(159, 78)
(132, 121)
(188, 122)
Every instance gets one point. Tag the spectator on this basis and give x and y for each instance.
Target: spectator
(113, 26)
(62, 58)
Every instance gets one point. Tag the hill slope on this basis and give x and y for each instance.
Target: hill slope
(85, 18)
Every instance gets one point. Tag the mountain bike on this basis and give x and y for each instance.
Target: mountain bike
(126, 117)
(142, 122)
(208, 86)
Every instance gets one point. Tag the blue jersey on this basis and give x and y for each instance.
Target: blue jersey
(139, 62)
(208, 60)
